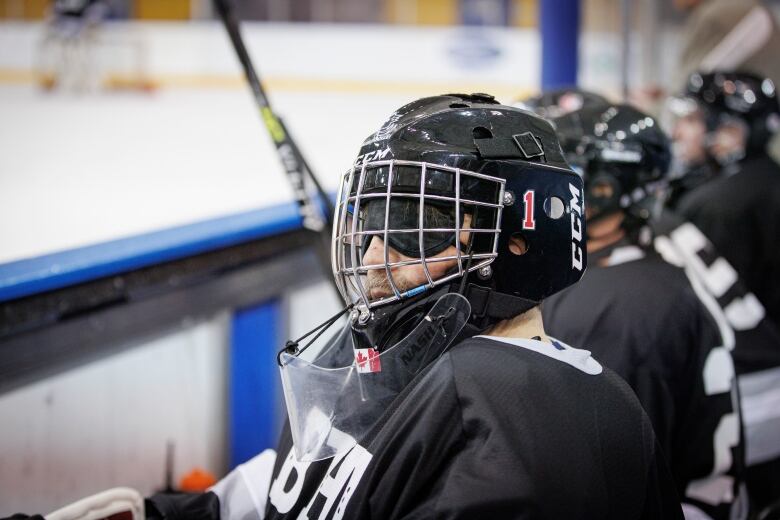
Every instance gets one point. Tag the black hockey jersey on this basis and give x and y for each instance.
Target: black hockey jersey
(641, 317)
(756, 341)
(740, 214)
(494, 429)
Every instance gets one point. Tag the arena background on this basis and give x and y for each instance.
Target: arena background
(151, 258)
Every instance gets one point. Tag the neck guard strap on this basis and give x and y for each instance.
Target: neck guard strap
(488, 303)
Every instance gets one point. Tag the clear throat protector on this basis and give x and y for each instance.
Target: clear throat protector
(337, 391)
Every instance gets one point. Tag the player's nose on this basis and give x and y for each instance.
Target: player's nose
(375, 253)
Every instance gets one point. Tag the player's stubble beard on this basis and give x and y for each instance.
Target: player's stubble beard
(378, 285)
(405, 277)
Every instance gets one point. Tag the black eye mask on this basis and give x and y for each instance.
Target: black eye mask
(405, 217)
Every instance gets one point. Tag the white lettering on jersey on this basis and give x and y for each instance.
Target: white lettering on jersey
(283, 500)
(719, 276)
(719, 372)
(351, 467)
(743, 313)
(682, 249)
(576, 228)
(719, 377)
(674, 255)
(718, 488)
(668, 251)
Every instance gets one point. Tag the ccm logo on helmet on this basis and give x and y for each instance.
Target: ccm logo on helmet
(375, 155)
(576, 228)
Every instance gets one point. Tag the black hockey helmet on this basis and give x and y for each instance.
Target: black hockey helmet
(621, 152)
(445, 167)
(733, 95)
(556, 103)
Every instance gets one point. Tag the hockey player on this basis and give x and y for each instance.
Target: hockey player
(691, 165)
(442, 396)
(739, 211)
(457, 219)
(556, 103)
(642, 316)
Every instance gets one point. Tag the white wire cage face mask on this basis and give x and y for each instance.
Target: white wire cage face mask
(418, 209)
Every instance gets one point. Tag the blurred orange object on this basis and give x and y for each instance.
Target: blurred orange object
(196, 481)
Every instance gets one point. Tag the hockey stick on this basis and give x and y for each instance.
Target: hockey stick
(289, 154)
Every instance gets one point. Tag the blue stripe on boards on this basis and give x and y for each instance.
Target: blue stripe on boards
(54, 271)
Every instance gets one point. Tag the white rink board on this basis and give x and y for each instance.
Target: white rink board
(79, 169)
(107, 423)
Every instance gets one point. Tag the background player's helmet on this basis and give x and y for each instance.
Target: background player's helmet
(556, 103)
(621, 153)
(734, 95)
(433, 162)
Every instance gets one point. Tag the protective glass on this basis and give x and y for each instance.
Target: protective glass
(336, 394)
(418, 209)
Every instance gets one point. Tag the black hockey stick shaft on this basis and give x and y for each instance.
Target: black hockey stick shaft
(288, 152)
(326, 202)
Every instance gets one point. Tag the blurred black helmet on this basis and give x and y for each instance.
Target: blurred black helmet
(740, 95)
(556, 103)
(621, 153)
(440, 163)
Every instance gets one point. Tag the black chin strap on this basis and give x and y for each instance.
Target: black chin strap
(489, 307)
(487, 303)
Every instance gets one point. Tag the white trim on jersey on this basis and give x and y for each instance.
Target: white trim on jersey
(625, 254)
(578, 358)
